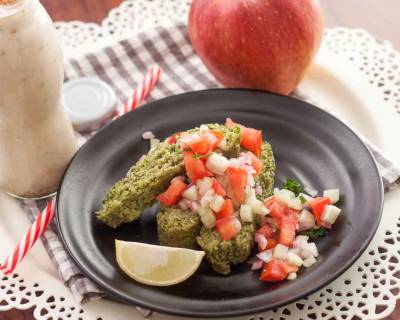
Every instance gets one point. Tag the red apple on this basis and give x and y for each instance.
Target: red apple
(259, 44)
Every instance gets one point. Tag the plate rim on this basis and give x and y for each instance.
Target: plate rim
(116, 295)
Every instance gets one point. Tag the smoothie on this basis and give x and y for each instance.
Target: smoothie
(36, 136)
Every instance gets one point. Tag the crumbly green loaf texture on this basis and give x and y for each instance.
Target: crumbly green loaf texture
(177, 227)
(221, 254)
(138, 190)
(150, 176)
(267, 174)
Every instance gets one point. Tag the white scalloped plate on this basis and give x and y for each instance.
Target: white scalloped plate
(335, 84)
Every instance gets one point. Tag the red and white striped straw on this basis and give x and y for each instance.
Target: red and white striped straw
(140, 93)
(29, 239)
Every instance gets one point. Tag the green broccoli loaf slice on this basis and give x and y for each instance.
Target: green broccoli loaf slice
(177, 227)
(221, 254)
(138, 190)
(266, 177)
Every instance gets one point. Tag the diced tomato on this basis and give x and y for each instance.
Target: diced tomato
(252, 140)
(237, 180)
(318, 206)
(197, 144)
(277, 270)
(256, 163)
(218, 188)
(287, 230)
(195, 168)
(218, 138)
(226, 211)
(267, 231)
(273, 271)
(227, 228)
(172, 139)
(271, 243)
(276, 207)
(173, 194)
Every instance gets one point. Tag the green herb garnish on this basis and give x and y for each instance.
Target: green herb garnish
(293, 186)
(314, 234)
(302, 199)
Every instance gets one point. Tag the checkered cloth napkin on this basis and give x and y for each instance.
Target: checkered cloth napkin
(122, 65)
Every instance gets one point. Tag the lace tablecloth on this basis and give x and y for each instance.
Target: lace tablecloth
(367, 290)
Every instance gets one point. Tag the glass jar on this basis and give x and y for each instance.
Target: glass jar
(36, 136)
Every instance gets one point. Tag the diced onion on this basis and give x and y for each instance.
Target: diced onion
(309, 262)
(204, 185)
(147, 135)
(306, 220)
(246, 213)
(265, 256)
(183, 204)
(190, 193)
(237, 224)
(217, 163)
(295, 203)
(203, 128)
(207, 217)
(308, 199)
(207, 198)
(312, 192)
(281, 251)
(313, 249)
(178, 178)
(217, 203)
(222, 145)
(292, 276)
(330, 214)
(294, 259)
(261, 240)
(154, 143)
(284, 195)
(332, 194)
(257, 265)
(258, 190)
(257, 206)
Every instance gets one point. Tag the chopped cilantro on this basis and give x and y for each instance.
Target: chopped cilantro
(302, 199)
(293, 186)
(314, 234)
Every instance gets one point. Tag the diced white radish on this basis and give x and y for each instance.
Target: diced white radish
(257, 206)
(217, 203)
(217, 163)
(307, 198)
(312, 192)
(265, 256)
(313, 249)
(207, 198)
(190, 193)
(246, 214)
(294, 259)
(147, 135)
(222, 145)
(306, 220)
(281, 251)
(261, 240)
(332, 194)
(330, 214)
(204, 185)
(295, 203)
(207, 217)
(284, 195)
(309, 262)
(257, 265)
(292, 276)
(203, 128)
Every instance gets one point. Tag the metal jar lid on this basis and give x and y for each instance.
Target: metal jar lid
(89, 102)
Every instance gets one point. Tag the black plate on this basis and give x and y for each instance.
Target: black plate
(309, 144)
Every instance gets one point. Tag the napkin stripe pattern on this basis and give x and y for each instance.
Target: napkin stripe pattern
(123, 65)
